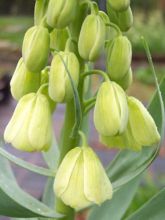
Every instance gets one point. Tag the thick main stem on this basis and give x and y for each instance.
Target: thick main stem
(66, 144)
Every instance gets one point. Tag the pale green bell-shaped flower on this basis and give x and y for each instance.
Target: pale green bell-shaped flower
(23, 81)
(60, 88)
(141, 129)
(81, 179)
(119, 57)
(92, 37)
(30, 127)
(35, 49)
(61, 13)
(119, 5)
(142, 124)
(111, 109)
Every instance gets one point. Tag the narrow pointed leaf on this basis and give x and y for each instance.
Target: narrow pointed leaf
(51, 157)
(26, 165)
(152, 210)
(115, 209)
(14, 202)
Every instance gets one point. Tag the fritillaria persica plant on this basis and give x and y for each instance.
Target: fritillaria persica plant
(58, 57)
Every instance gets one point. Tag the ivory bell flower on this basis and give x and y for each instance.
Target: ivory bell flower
(30, 127)
(81, 179)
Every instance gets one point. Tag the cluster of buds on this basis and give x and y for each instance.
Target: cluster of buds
(73, 33)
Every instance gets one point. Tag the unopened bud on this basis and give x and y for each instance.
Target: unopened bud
(58, 39)
(92, 37)
(35, 48)
(61, 13)
(142, 124)
(119, 56)
(60, 88)
(123, 19)
(119, 5)
(111, 110)
(23, 81)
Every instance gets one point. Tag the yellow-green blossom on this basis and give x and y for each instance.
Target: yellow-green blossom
(35, 49)
(92, 37)
(23, 81)
(81, 179)
(141, 130)
(60, 88)
(111, 109)
(30, 128)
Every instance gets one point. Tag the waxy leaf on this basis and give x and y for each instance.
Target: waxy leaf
(122, 198)
(152, 210)
(14, 202)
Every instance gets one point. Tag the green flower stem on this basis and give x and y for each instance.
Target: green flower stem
(42, 87)
(68, 142)
(97, 72)
(92, 5)
(83, 139)
(114, 26)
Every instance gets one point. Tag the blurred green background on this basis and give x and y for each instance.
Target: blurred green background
(149, 21)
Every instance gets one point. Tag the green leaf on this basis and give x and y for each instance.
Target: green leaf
(26, 165)
(127, 164)
(51, 157)
(152, 210)
(115, 209)
(14, 202)
(49, 196)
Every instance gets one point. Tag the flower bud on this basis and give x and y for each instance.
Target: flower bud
(112, 14)
(119, 5)
(82, 174)
(40, 11)
(35, 48)
(75, 26)
(119, 56)
(111, 110)
(60, 88)
(126, 81)
(30, 127)
(58, 38)
(92, 37)
(61, 13)
(142, 124)
(123, 19)
(141, 130)
(23, 81)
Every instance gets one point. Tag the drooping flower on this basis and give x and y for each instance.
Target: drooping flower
(81, 179)
(30, 128)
